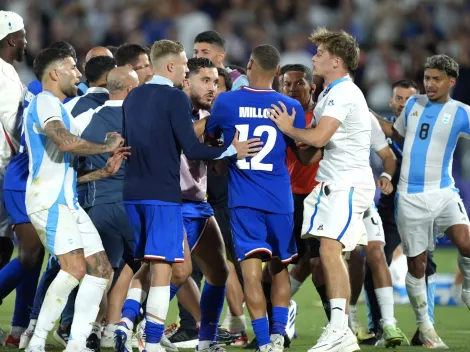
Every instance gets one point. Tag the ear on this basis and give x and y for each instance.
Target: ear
(170, 67)
(186, 83)
(278, 70)
(452, 81)
(223, 55)
(11, 41)
(390, 102)
(313, 88)
(250, 65)
(53, 75)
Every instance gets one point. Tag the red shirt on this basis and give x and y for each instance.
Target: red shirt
(302, 177)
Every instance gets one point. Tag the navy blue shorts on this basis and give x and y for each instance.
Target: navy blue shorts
(195, 218)
(15, 206)
(258, 231)
(115, 231)
(158, 231)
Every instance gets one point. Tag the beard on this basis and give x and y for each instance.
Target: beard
(70, 91)
(19, 55)
(199, 104)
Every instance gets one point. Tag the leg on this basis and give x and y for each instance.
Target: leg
(318, 279)
(299, 273)
(280, 296)
(356, 275)
(117, 295)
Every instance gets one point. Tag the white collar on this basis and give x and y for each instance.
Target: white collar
(95, 90)
(113, 102)
(156, 79)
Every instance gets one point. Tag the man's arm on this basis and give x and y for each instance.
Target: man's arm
(390, 165)
(112, 166)
(200, 127)
(69, 143)
(307, 155)
(386, 126)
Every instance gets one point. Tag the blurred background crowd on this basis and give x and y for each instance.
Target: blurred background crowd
(395, 36)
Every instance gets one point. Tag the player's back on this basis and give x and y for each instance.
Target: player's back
(431, 133)
(262, 181)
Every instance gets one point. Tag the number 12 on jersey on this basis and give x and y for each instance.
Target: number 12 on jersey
(256, 161)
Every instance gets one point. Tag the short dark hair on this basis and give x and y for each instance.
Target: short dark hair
(97, 67)
(298, 68)
(443, 63)
(227, 78)
(46, 57)
(266, 56)
(66, 46)
(405, 83)
(210, 37)
(128, 54)
(195, 64)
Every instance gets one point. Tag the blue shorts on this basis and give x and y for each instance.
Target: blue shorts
(195, 218)
(15, 206)
(158, 230)
(258, 231)
(115, 231)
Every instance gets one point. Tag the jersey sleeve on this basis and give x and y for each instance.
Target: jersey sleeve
(466, 123)
(339, 105)
(400, 124)
(299, 120)
(47, 109)
(83, 120)
(378, 140)
(241, 81)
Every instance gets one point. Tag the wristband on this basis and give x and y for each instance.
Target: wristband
(387, 176)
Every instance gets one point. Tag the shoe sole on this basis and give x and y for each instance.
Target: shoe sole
(59, 339)
(186, 344)
(351, 348)
(394, 342)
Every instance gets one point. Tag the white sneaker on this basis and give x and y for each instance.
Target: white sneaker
(166, 343)
(430, 339)
(266, 348)
(278, 342)
(107, 338)
(26, 337)
(39, 348)
(138, 340)
(466, 297)
(336, 341)
(290, 327)
(212, 348)
(122, 339)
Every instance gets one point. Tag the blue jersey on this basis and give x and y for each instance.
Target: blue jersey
(431, 132)
(263, 181)
(17, 171)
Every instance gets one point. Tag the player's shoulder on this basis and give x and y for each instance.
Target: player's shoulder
(420, 99)
(45, 98)
(462, 106)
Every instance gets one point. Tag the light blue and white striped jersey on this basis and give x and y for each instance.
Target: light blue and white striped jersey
(431, 133)
(52, 177)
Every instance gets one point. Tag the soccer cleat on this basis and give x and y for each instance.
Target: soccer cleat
(107, 339)
(93, 342)
(252, 345)
(241, 340)
(12, 342)
(277, 342)
(430, 339)
(290, 327)
(122, 338)
(61, 336)
(392, 336)
(266, 348)
(39, 348)
(336, 341)
(185, 338)
(213, 348)
(224, 337)
(26, 336)
(170, 330)
(415, 341)
(359, 331)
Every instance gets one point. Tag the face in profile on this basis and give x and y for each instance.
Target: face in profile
(68, 77)
(203, 87)
(20, 40)
(399, 97)
(323, 62)
(180, 68)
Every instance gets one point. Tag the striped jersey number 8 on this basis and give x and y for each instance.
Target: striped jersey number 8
(256, 161)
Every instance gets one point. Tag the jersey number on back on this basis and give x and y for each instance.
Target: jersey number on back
(256, 161)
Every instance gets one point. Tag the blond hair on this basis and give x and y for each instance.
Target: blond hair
(340, 44)
(162, 48)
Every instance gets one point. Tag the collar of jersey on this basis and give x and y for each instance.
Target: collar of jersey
(156, 79)
(96, 90)
(337, 81)
(251, 89)
(113, 102)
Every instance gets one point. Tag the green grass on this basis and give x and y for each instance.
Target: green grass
(451, 322)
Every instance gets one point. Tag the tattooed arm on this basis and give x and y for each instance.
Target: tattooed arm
(112, 166)
(69, 143)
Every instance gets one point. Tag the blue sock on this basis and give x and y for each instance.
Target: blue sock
(261, 330)
(10, 277)
(25, 293)
(212, 303)
(153, 331)
(431, 295)
(131, 310)
(173, 291)
(280, 316)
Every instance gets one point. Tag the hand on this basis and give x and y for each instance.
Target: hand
(247, 148)
(281, 117)
(385, 185)
(113, 141)
(115, 160)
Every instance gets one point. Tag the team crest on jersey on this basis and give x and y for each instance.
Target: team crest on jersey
(331, 103)
(414, 114)
(446, 118)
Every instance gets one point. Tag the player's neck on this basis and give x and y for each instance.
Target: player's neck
(333, 76)
(443, 99)
(54, 90)
(262, 83)
(309, 106)
(7, 56)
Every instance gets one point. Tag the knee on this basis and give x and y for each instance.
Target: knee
(77, 269)
(98, 265)
(375, 256)
(317, 271)
(417, 265)
(180, 272)
(330, 250)
(30, 258)
(218, 275)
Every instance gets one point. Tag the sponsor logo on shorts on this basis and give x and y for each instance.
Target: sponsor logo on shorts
(320, 228)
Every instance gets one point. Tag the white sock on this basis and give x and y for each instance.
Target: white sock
(110, 328)
(417, 293)
(137, 294)
(385, 300)
(157, 306)
(238, 324)
(16, 331)
(352, 314)
(87, 305)
(32, 324)
(294, 286)
(464, 266)
(228, 319)
(52, 307)
(338, 313)
(96, 329)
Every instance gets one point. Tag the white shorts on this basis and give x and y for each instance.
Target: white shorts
(336, 211)
(373, 225)
(5, 227)
(422, 217)
(63, 230)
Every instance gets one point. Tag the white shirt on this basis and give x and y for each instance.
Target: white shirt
(52, 178)
(12, 94)
(346, 155)
(378, 141)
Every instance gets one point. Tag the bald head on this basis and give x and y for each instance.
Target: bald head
(97, 51)
(121, 80)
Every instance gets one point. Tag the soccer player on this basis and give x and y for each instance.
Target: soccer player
(155, 211)
(51, 205)
(211, 45)
(135, 56)
(427, 202)
(94, 52)
(334, 210)
(260, 198)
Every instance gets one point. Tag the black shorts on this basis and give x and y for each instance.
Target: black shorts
(312, 245)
